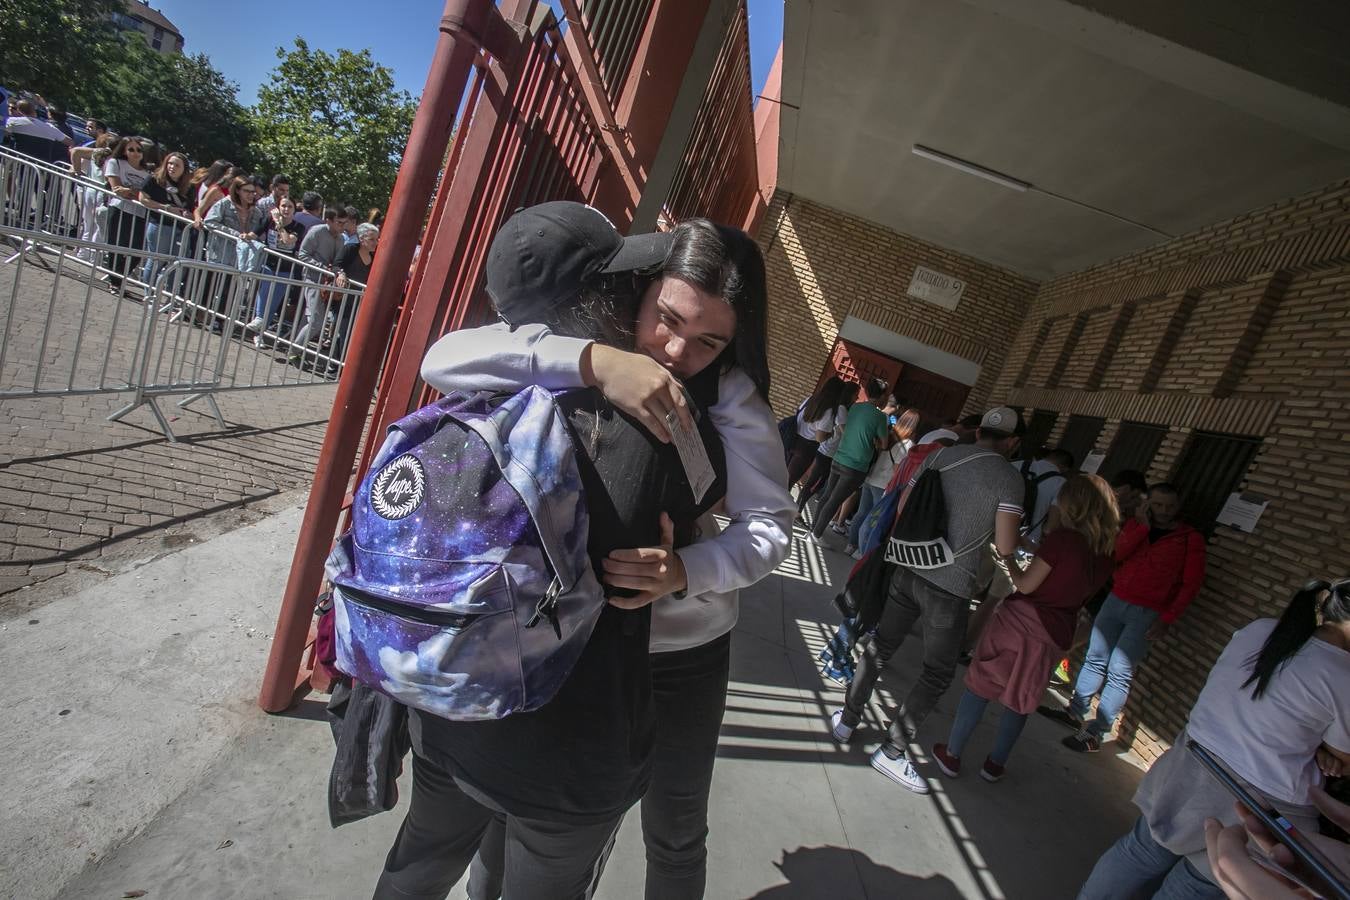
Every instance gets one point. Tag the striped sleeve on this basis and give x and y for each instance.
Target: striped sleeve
(1013, 494)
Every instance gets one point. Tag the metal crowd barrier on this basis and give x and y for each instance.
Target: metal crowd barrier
(95, 316)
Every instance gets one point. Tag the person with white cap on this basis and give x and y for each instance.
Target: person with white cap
(983, 500)
(837, 657)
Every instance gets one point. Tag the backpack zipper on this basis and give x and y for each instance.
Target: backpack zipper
(548, 608)
(440, 618)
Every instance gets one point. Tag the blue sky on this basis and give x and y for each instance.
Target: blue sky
(242, 38)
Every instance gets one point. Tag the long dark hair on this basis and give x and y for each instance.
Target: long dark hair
(211, 174)
(726, 262)
(827, 399)
(1296, 626)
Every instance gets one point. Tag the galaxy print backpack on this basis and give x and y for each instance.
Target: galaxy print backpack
(463, 587)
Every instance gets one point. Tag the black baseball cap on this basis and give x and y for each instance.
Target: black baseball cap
(543, 255)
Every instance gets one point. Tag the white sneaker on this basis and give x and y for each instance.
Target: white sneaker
(812, 539)
(256, 324)
(838, 730)
(901, 771)
(838, 529)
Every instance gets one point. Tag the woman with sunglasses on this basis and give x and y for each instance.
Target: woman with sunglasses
(127, 171)
(1275, 710)
(234, 218)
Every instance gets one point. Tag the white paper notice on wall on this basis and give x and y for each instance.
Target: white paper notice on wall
(1092, 462)
(935, 287)
(1242, 512)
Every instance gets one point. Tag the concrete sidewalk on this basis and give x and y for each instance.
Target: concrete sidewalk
(164, 778)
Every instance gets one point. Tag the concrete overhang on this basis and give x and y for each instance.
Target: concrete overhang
(1126, 136)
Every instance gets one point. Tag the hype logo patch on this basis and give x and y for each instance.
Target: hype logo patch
(399, 488)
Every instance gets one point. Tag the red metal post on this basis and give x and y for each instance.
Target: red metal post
(461, 27)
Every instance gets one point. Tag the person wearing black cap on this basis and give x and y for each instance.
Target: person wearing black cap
(559, 779)
(707, 270)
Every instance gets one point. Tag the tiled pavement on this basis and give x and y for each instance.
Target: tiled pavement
(78, 492)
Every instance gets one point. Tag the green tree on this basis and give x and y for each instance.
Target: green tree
(181, 102)
(334, 123)
(51, 46)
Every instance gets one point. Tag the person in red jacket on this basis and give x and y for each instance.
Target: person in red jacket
(1160, 566)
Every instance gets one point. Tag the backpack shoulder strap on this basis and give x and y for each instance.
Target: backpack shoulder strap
(961, 462)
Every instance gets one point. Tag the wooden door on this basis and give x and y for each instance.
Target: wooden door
(853, 362)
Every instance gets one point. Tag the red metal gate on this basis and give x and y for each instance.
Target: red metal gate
(571, 108)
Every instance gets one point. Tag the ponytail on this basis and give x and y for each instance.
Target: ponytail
(1295, 627)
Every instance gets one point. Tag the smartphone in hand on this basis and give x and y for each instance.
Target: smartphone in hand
(1318, 875)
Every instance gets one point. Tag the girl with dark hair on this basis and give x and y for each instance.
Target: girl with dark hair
(127, 172)
(1275, 709)
(818, 475)
(815, 423)
(553, 784)
(210, 185)
(702, 318)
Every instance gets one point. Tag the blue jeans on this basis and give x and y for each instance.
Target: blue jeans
(161, 238)
(271, 297)
(866, 500)
(1138, 866)
(968, 715)
(1118, 645)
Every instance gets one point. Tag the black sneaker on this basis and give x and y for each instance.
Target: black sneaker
(1062, 716)
(1083, 742)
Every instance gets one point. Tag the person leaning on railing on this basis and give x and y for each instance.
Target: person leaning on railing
(232, 220)
(127, 172)
(167, 195)
(353, 266)
(88, 163)
(281, 234)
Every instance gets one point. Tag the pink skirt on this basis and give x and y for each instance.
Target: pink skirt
(1012, 664)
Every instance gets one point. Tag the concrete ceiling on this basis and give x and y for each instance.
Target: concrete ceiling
(1120, 123)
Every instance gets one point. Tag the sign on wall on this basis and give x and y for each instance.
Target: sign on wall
(935, 287)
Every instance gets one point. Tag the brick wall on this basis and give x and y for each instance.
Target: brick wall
(823, 265)
(1239, 328)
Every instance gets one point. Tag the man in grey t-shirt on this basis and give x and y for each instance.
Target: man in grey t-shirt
(983, 496)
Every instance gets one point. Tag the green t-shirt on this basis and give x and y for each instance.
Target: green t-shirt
(857, 448)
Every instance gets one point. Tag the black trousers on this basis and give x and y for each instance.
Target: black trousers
(125, 230)
(542, 860)
(842, 483)
(814, 479)
(803, 454)
(690, 694)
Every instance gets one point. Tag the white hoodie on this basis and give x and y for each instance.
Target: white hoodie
(759, 534)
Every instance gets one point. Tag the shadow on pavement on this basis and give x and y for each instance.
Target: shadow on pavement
(814, 872)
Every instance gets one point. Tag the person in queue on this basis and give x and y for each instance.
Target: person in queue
(560, 778)
(1275, 710)
(703, 313)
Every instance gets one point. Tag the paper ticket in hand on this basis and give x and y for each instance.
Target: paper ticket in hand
(693, 456)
